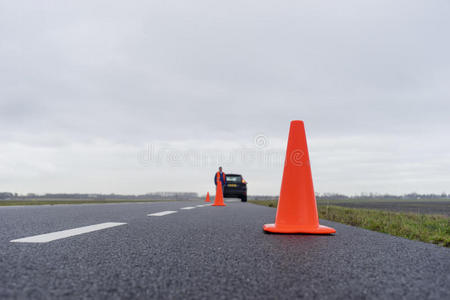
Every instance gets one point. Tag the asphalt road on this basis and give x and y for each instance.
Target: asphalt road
(206, 253)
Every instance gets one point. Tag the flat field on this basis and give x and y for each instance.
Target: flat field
(418, 207)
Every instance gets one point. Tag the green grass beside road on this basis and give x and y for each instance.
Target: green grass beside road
(426, 228)
(69, 201)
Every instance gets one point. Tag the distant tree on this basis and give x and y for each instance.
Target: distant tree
(6, 195)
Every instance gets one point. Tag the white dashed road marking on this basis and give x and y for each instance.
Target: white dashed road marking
(48, 237)
(188, 207)
(163, 213)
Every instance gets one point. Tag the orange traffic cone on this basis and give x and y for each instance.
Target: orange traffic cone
(297, 210)
(207, 198)
(218, 201)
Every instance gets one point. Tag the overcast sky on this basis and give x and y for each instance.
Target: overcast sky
(145, 96)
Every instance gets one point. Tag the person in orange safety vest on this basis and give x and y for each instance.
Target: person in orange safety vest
(220, 176)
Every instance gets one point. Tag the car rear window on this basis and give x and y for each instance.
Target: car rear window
(234, 178)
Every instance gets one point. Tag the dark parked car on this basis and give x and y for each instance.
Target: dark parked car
(236, 187)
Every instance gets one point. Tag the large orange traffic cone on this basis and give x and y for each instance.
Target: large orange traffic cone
(218, 201)
(297, 210)
(207, 198)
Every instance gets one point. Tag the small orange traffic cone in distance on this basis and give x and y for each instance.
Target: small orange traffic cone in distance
(207, 198)
(297, 209)
(218, 201)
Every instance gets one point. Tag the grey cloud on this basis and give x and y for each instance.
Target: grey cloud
(76, 72)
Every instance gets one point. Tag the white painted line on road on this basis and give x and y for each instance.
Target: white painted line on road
(188, 207)
(201, 205)
(232, 200)
(163, 213)
(48, 237)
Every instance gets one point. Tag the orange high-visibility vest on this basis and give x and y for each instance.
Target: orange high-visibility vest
(218, 177)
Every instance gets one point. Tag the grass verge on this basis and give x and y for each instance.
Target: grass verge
(426, 228)
(53, 202)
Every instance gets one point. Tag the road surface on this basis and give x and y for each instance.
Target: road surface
(177, 250)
